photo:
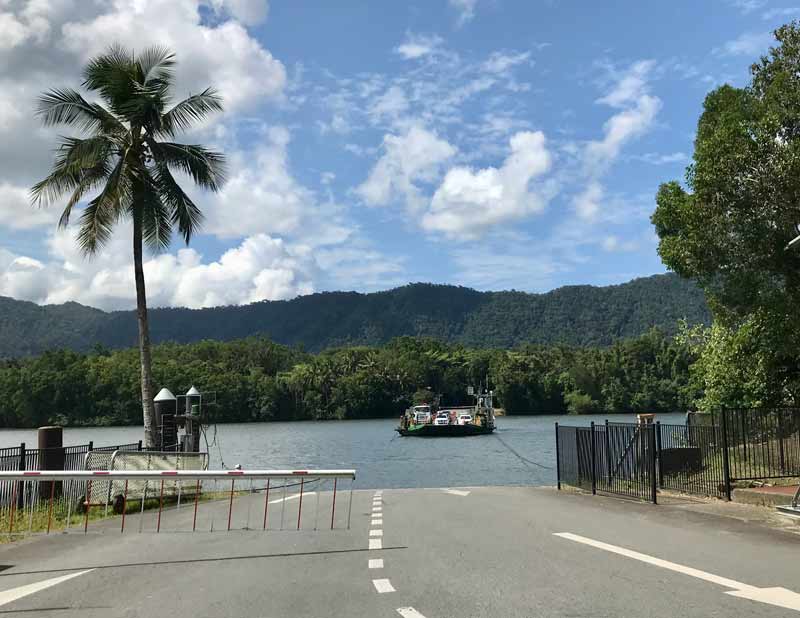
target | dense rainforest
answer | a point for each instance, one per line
(574, 316)
(256, 379)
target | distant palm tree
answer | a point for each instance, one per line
(121, 154)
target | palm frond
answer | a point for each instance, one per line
(189, 111)
(156, 219)
(67, 106)
(183, 212)
(74, 157)
(206, 167)
(114, 75)
(155, 65)
(90, 179)
(100, 215)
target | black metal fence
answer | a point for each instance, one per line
(617, 458)
(690, 459)
(763, 443)
(705, 457)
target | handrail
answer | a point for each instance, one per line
(60, 475)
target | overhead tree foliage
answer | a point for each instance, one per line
(729, 228)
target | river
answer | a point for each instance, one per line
(520, 452)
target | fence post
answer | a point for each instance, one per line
(781, 455)
(608, 454)
(593, 457)
(20, 484)
(140, 446)
(653, 488)
(558, 461)
(726, 465)
(658, 454)
(91, 445)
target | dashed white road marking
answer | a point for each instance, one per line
(376, 522)
(409, 612)
(7, 596)
(456, 492)
(383, 585)
(780, 597)
(376, 563)
(377, 532)
(292, 497)
(375, 544)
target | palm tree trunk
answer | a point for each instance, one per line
(148, 407)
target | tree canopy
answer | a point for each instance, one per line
(730, 226)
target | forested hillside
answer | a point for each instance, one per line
(574, 315)
(258, 380)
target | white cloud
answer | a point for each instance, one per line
(418, 45)
(629, 86)
(501, 62)
(747, 44)
(637, 113)
(747, 6)
(260, 268)
(249, 12)
(224, 56)
(466, 10)
(587, 204)
(261, 195)
(17, 213)
(613, 244)
(391, 105)
(786, 12)
(408, 159)
(655, 158)
(619, 129)
(470, 201)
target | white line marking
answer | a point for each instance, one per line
(376, 522)
(780, 597)
(376, 563)
(409, 612)
(7, 596)
(456, 492)
(292, 497)
(376, 532)
(375, 544)
(377, 509)
(383, 585)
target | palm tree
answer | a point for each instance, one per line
(123, 155)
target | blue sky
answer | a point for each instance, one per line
(489, 143)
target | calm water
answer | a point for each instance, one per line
(520, 452)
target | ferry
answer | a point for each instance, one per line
(431, 421)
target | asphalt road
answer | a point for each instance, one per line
(474, 552)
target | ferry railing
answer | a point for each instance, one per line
(174, 500)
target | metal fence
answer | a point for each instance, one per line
(23, 458)
(691, 459)
(762, 443)
(705, 457)
(616, 458)
(152, 501)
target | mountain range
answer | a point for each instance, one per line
(581, 315)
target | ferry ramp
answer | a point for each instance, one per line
(430, 553)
